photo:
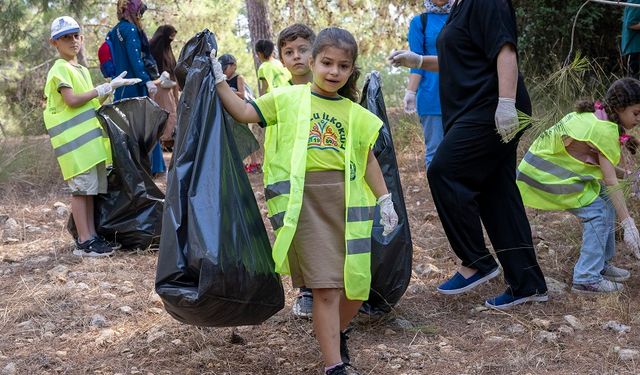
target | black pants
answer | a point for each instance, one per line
(472, 180)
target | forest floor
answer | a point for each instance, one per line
(61, 314)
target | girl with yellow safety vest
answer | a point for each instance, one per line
(321, 183)
(572, 166)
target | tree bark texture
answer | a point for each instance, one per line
(259, 24)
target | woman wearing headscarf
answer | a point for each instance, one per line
(473, 174)
(129, 42)
(130, 50)
(167, 95)
(422, 89)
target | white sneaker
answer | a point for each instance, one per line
(602, 286)
(614, 273)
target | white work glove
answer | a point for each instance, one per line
(506, 118)
(409, 101)
(151, 88)
(389, 217)
(218, 75)
(631, 236)
(120, 81)
(405, 58)
(103, 89)
(165, 81)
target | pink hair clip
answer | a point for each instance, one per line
(624, 138)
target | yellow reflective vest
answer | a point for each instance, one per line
(78, 140)
(551, 179)
(274, 73)
(284, 172)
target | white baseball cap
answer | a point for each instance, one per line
(62, 26)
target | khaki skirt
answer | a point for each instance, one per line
(316, 255)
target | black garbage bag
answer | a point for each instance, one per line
(131, 210)
(246, 142)
(391, 256)
(215, 266)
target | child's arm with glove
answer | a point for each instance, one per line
(375, 180)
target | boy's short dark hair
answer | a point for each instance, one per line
(265, 47)
(293, 32)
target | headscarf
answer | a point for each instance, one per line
(131, 10)
(160, 45)
(432, 8)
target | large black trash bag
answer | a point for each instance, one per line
(131, 210)
(215, 266)
(246, 142)
(391, 256)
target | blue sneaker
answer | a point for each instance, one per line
(506, 300)
(458, 284)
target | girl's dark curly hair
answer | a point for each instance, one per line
(621, 94)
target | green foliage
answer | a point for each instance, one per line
(545, 33)
(554, 95)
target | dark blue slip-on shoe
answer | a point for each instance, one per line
(507, 301)
(458, 284)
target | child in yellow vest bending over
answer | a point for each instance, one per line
(79, 142)
(321, 183)
(572, 166)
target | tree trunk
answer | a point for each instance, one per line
(259, 24)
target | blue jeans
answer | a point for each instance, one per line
(598, 239)
(433, 133)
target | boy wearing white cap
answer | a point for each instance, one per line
(79, 142)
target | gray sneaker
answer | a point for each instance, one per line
(303, 306)
(602, 286)
(613, 273)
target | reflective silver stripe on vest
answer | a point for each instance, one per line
(359, 246)
(278, 188)
(78, 119)
(360, 213)
(277, 220)
(78, 142)
(552, 168)
(551, 188)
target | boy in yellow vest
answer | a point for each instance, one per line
(271, 73)
(295, 43)
(78, 140)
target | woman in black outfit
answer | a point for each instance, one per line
(472, 175)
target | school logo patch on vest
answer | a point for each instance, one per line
(327, 133)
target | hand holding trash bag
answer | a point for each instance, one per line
(119, 81)
(389, 217)
(216, 67)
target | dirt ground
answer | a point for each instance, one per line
(60, 314)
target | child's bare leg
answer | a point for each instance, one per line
(348, 309)
(79, 212)
(326, 323)
(90, 216)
